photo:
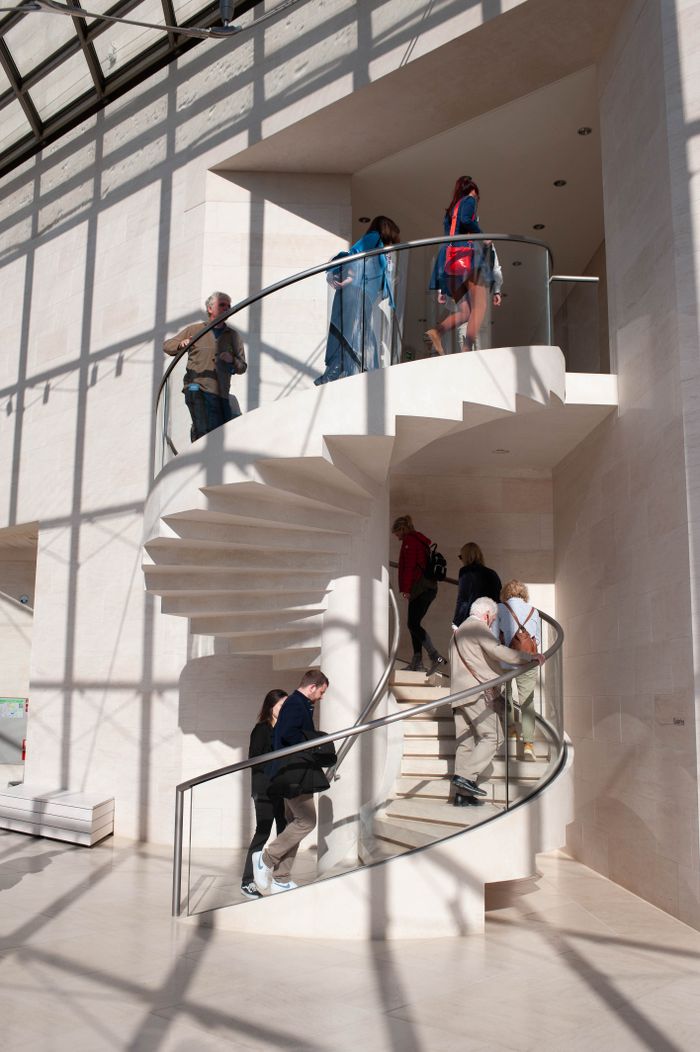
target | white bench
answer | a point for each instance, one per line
(80, 818)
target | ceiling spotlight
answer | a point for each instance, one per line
(517, 263)
(559, 182)
(363, 219)
(584, 130)
(538, 226)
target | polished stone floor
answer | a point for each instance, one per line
(91, 960)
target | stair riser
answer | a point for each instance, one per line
(179, 553)
(280, 511)
(177, 581)
(258, 537)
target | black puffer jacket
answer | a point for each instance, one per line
(475, 581)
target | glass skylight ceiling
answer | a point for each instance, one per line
(56, 70)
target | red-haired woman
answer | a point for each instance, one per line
(457, 278)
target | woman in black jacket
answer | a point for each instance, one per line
(266, 810)
(475, 581)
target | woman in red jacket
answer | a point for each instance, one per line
(419, 590)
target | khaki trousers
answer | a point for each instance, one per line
(476, 731)
(300, 812)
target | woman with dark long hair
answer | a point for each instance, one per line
(352, 343)
(267, 811)
(460, 270)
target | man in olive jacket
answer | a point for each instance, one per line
(476, 656)
(273, 866)
(210, 364)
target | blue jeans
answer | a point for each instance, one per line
(208, 411)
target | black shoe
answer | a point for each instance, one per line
(467, 786)
(437, 664)
(250, 891)
(467, 801)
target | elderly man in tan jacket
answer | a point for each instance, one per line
(476, 656)
(211, 361)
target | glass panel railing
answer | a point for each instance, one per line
(368, 312)
(394, 795)
(579, 323)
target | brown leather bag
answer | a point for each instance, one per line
(522, 640)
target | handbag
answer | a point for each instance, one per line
(323, 755)
(459, 259)
(522, 640)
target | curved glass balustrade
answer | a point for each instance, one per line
(366, 312)
(381, 805)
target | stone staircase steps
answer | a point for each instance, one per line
(309, 476)
(435, 766)
(186, 580)
(437, 813)
(276, 508)
(243, 535)
(250, 621)
(193, 604)
(426, 726)
(171, 551)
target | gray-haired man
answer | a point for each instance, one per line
(476, 656)
(210, 364)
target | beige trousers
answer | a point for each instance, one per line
(476, 731)
(301, 819)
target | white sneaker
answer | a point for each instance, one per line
(278, 886)
(262, 874)
(529, 752)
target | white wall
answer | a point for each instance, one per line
(624, 502)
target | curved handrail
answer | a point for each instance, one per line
(347, 732)
(322, 268)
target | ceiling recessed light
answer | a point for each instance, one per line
(363, 219)
(560, 182)
(500, 451)
(538, 226)
(584, 130)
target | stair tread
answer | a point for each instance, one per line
(437, 812)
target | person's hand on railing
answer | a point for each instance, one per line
(336, 283)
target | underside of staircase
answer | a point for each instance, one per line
(252, 555)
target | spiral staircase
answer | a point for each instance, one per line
(248, 534)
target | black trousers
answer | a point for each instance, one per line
(266, 812)
(417, 609)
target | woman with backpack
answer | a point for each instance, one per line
(520, 628)
(462, 270)
(420, 591)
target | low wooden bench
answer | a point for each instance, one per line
(59, 814)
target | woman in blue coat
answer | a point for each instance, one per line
(467, 285)
(352, 345)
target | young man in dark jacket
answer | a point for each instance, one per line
(273, 866)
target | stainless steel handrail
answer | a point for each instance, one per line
(290, 750)
(323, 268)
(379, 690)
(581, 279)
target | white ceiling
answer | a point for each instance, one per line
(514, 153)
(514, 443)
